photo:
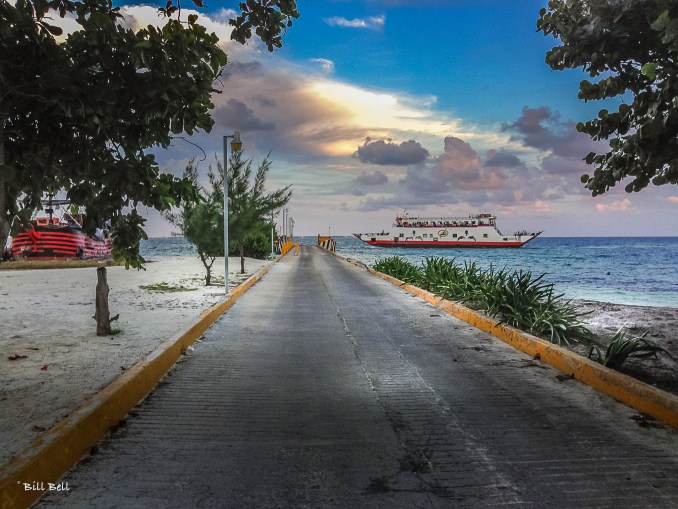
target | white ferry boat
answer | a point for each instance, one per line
(478, 230)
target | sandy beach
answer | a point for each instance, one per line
(46, 319)
(46, 316)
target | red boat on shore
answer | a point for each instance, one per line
(49, 238)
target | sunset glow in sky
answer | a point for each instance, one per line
(437, 107)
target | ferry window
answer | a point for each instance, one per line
(425, 235)
(505, 238)
(413, 232)
(402, 234)
(484, 235)
(454, 235)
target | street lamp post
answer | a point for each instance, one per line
(272, 241)
(236, 145)
(286, 214)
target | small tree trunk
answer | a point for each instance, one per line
(242, 258)
(208, 267)
(4, 223)
(102, 314)
(4, 206)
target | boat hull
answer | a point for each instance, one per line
(443, 244)
(58, 242)
(483, 238)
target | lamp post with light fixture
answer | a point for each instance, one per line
(236, 145)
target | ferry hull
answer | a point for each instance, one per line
(443, 244)
(59, 242)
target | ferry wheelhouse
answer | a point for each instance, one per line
(476, 230)
(51, 237)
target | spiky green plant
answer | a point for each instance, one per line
(623, 348)
(518, 299)
(436, 272)
(399, 268)
(463, 285)
(527, 303)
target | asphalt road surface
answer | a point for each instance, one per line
(324, 386)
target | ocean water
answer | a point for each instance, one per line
(623, 270)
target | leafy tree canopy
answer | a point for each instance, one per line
(202, 222)
(269, 18)
(249, 212)
(250, 206)
(632, 48)
(78, 114)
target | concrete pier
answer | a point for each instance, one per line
(324, 386)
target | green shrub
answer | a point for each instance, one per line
(518, 299)
(400, 269)
(436, 272)
(464, 285)
(525, 302)
(622, 348)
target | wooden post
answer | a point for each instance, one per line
(102, 315)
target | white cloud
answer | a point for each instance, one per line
(372, 23)
(614, 206)
(327, 66)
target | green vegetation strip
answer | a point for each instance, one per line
(518, 299)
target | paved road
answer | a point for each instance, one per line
(324, 386)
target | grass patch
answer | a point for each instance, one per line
(166, 288)
(54, 264)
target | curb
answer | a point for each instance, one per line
(625, 389)
(57, 450)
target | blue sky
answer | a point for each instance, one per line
(437, 107)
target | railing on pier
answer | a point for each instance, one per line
(327, 243)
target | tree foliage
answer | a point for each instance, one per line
(258, 242)
(631, 47)
(269, 18)
(249, 211)
(79, 114)
(250, 206)
(202, 222)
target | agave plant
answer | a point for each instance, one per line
(526, 303)
(622, 348)
(400, 269)
(436, 272)
(519, 299)
(463, 285)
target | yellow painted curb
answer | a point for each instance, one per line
(57, 450)
(625, 389)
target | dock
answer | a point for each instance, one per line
(326, 387)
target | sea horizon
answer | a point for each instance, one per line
(621, 270)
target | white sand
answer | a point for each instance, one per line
(47, 316)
